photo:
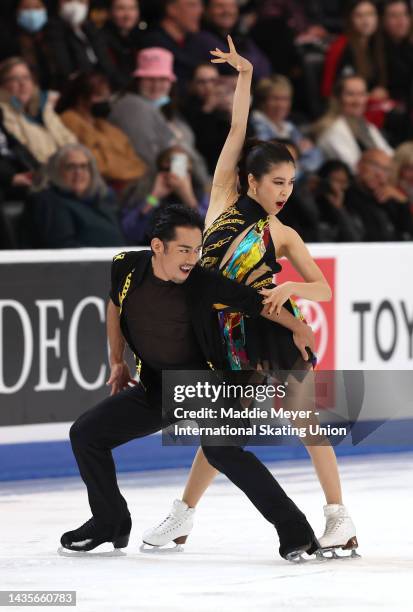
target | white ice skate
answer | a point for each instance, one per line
(175, 528)
(340, 533)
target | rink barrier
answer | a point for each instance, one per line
(53, 459)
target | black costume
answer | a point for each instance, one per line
(239, 244)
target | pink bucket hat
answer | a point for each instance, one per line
(155, 62)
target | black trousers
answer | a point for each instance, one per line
(133, 414)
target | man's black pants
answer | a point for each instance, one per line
(130, 414)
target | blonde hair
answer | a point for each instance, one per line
(8, 64)
(403, 156)
(32, 108)
(266, 86)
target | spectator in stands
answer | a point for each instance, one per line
(28, 112)
(123, 37)
(156, 83)
(207, 113)
(296, 16)
(340, 225)
(26, 38)
(17, 167)
(382, 208)
(273, 101)
(343, 132)
(324, 13)
(163, 189)
(221, 18)
(143, 123)
(397, 26)
(177, 32)
(75, 43)
(402, 172)
(86, 106)
(358, 51)
(272, 31)
(73, 207)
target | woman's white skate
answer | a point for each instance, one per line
(339, 534)
(174, 529)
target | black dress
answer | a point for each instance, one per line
(239, 244)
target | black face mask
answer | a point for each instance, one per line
(100, 110)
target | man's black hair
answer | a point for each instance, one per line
(167, 219)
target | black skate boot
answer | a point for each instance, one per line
(297, 538)
(90, 535)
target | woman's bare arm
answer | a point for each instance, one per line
(224, 185)
(315, 286)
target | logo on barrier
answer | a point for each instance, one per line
(319, 315)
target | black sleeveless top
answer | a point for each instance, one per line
(239, 244)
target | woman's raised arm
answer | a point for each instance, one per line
(224, 185)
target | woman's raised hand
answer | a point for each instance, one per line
(232, 58)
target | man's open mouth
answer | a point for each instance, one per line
(185, 269)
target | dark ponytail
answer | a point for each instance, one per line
(257, 157)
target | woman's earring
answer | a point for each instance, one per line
(255, 191)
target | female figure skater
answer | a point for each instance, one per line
(242, 239)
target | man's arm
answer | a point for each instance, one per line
(120, 375)
(245, 299)
(116, 340)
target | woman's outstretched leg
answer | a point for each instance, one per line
(339, 531)
(199, 479)
(325, 464)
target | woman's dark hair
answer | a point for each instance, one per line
(386, 3)
(168, 218)
(332, 166)
(340, 84)
(81, 87)
(257, 157)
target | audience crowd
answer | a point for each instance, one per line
(110, 109)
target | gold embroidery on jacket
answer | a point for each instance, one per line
(119, 256)
(217, 245)
(125, 290)
(209, 262)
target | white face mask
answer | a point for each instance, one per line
(74, 12)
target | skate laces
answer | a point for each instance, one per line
(169, 523)
(333, 524)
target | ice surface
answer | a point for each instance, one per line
(231, 560)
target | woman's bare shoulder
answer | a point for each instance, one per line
(281, 235)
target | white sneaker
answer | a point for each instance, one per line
(340, 531)
(175, 528)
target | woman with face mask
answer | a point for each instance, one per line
(75, 43)
(26, 38)
(156, 82)
(86, 106)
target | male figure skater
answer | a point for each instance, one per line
(162, 306)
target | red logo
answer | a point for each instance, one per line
(319, 315)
